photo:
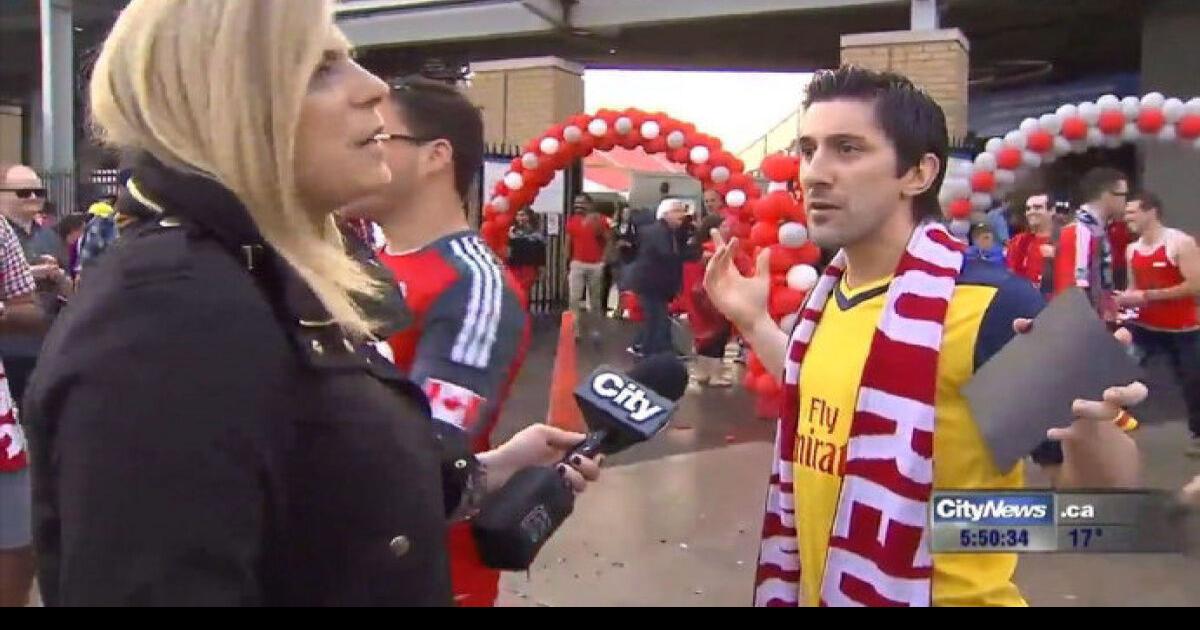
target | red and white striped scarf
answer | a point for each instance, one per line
(879, 547)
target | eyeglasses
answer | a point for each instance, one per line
(387, 137)
(27, 193)
(1119, 193)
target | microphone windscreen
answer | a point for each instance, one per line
(663, 373)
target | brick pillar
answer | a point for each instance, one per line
(520, 98)
(938, 61)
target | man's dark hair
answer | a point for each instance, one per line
(585, 196)
(1149, 201)
(434, 110)
(1098, 181)
(70, 223)
(915, 124)
(978, 229)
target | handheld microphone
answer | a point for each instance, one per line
(620, 411)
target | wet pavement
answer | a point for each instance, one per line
(674, 522)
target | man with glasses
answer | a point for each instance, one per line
(1085, 255)
(470, 329)
(18, 313)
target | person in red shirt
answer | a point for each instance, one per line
(1119, 237)
(470, 330)
(1084, 254)
(1164, 282)
(1028, 252)
(588, 231)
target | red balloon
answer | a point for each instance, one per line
(721, 158)
(983, 181)
(739, 180)
(1112, 122)
(700, 171)
(785, 301)
(765, 385)
(780, 167)
(750, 381)
(796, 213)
(738, 165)
(540, 176)
(680, 155)
(504, 221)
(1009, 158)
(753, 191)
(1040, 141)
(489, 212)
(742, 230)
(1188, 127)
(960, 208)
(807, 254)
(488, 230)
(657, 145)
(783, 259)
(773, 207)
(607, 141)
(1074, 128)
(1151, 120)
(764, 234)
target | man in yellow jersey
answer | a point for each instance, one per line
(875, 417)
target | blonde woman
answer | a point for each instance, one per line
(209, 427)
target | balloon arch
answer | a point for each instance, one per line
(1107, 122)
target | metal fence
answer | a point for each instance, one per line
(61, 191)
(549, 293)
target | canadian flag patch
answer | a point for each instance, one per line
(452, 403)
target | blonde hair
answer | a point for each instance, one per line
(214, 87)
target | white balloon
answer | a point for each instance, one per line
(1131, 106)
(1051, 123)
(1168, 134)
(650, 130)
(699, 154)
(1028, 125)
(776, 186)
(623, 125)
(572, 134)
(960, 168)
(981, 202)
(1090, 112)
(1006, 178)
(985, 162)
(1192, 107)
(549, 146)
(1031, 159)
(793, 234)
(1067, 111)
(1062, 146)
(945, 197)
(956, 186)
(1108, 101)
(1131, 133)
(529, 160)
(1095, 137)
(675, 139)
(961, 228)
(1016, 139)
(719, 175)
(1153, 99)
(598, 127)
(735, 198)
(994, 145)
(802, 278)
(514, 181)
(500, 204)
(788, 322)
(1173, 109)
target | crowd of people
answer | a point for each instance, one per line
(270, 372)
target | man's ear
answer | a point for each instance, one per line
(439, 154)
(920, 177)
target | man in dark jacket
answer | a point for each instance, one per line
(657, 274)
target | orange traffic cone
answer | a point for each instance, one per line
(564, 412)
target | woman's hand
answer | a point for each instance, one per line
(540, 445)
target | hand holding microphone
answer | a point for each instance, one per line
(620, 411)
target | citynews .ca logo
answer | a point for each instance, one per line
(1023, 509)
